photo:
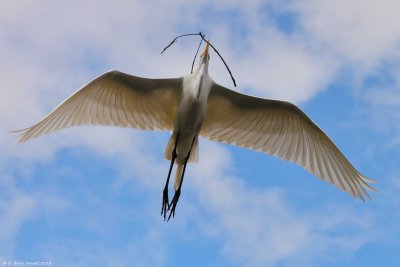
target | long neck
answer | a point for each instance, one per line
(202, 68)
(196, 86)
(203, 83)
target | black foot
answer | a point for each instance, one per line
(165, 204)
(173, 204)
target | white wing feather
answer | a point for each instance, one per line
(115, 99)
(280, 128)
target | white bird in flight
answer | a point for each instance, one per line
(194, 105)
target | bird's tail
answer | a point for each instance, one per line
(170, 147)
(178, 176)
(194, 153)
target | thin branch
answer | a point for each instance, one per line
(176, 38)
(194, 59)
(203, 39)
(216, 51)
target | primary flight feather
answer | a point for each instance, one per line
(194, 105)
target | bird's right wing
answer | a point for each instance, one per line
(115, 99)
(279, 128)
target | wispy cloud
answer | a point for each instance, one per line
(261, 227)
(15, 208)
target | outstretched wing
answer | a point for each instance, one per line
(115, 99)
(280, 128)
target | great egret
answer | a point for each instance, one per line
(194, 105)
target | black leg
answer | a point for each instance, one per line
(177, 194)
(165, 201)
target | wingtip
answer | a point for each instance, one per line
(19, 138)
(368, 180)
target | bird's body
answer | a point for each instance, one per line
(192, 109)
(193, 106)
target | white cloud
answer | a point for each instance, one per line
(382, 99)
(358, 31)
(15, 208)
(280, 67)
(260, 227)
(65, 253)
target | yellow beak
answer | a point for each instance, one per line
(205, 53)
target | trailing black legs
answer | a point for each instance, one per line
(165, 202)
(177, 194)
(171, 206)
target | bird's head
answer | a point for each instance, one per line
(205, 56)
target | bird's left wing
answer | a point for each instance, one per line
(279, 128)
(115, 99)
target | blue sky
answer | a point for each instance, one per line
(91, 196)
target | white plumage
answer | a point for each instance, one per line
(195, 105)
